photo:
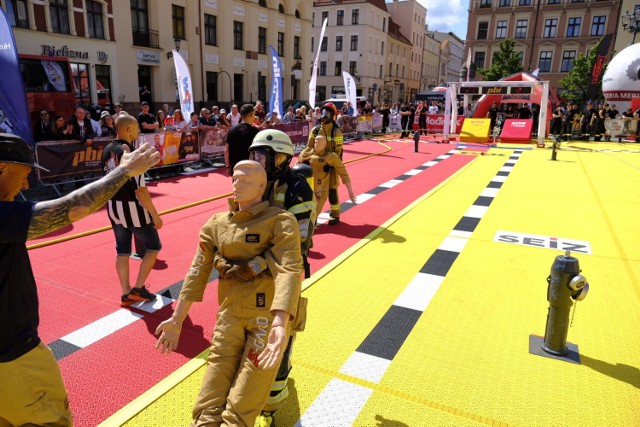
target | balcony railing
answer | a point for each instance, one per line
(147, 38)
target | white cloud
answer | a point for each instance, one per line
(447, 15)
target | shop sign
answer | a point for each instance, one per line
(64, 51)
(147, 57)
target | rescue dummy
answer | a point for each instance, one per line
(324, 163)
(258, 306)
(289, 190)
(333, 134)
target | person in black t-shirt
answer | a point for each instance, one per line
(240, 137)
(131, 213)
(29, 372)
(146, 121)
(492, 114)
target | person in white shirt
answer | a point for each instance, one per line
(235, 117)
(289, 116)
(97, 129)
(179, 123)
(433, 108)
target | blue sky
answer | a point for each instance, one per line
(447, 15)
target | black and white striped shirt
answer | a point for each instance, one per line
(124, 207)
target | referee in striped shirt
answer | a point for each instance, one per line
(131, 213)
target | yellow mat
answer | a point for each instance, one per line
(466, 361)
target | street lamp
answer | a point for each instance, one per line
(177, 40)
(631, 23)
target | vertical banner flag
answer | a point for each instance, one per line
(275, 103)
(314, 71)
(598, 68)
(350, 90)
(14, 113)
(468, 64)
(185, 85)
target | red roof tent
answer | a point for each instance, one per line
(485, 102)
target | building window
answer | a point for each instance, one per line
(17, 13)
(597, 26)
(140, 23)
(211, 30)
(384, 25)
(340, 17)
(382, 48)
(390, 69)
(262, 40)
(501, 30)
(553, 1)
(353, 68)
(521, 28)
(103, 79)
(381, 71)
(573, 27)
(177, 20)
(296, 47)
(262, 86)
(238, 86)
(478, 59)
(280, 44)
(238, 29)
(483, 28)
(325, 15)
(354, 43)
(355, 16)
(323, 45)
(545, 61)
(323, 68)
(485, 3)
(525, 3)
(95, 20)
(82, 86)
(338, 70)
(504, 3)
(212, 86)
(520, 58)
(59, 12)
(338, 43)
(550, 28)
(567, 60)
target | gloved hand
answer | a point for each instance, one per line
(222, 266)
(246, 272)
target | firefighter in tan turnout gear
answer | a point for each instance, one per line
(258, 306)
(324, 163)
(331, 131)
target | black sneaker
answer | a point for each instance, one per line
(334, 221)
(141, 294)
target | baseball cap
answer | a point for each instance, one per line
(144, 103)
(104, 114)
(14, 149)
(223, 111)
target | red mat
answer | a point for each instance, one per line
(78, 283)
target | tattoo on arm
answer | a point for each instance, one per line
(54, 214)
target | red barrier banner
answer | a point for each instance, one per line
(517, 130)
(297, 131)
(69, 160)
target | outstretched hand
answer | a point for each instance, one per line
(139, 161)
(169, 332)
(270, 356)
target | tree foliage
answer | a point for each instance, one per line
(506, 61)
(577, 80)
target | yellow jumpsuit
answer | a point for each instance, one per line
(234, 389)
(335, 140)
(324, 165)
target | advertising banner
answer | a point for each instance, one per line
(365, 124)
(436, 123)
(475, 130)
(297, 131)
(212, 142)
(517, 130)
(185, 86)
(314, 70)
(275, 103)
(14, 114)
(69, 160)
(350, 90)
(377, 121)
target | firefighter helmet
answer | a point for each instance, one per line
(274, 139)
(331, 107)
